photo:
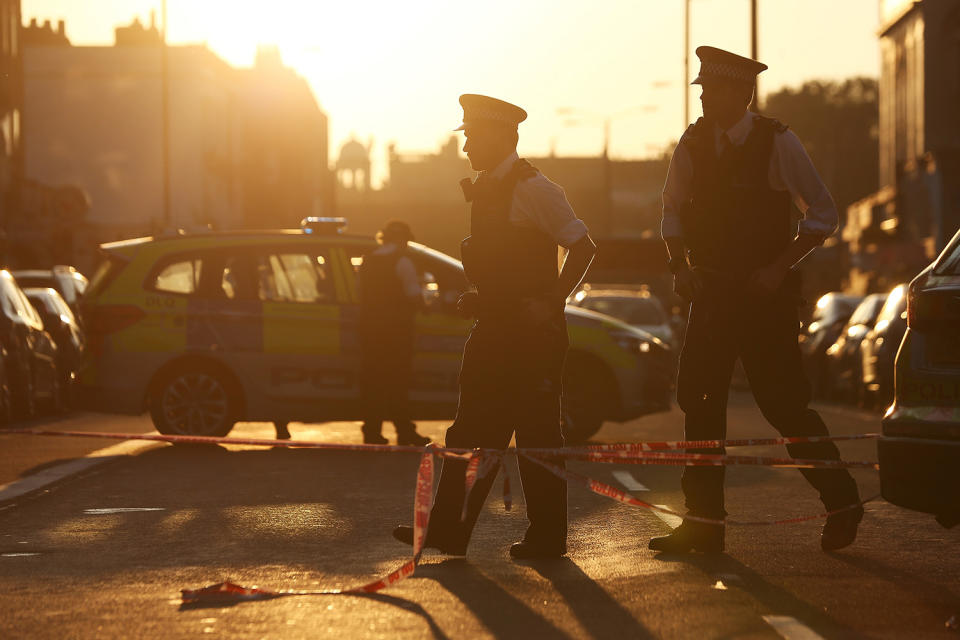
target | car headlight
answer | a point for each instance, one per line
(634, 344)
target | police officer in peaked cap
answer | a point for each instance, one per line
(513, 359)
(734, 254)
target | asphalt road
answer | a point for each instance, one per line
(103, 553)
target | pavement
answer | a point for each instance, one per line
(104, 553)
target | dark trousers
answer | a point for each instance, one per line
(509, 381)
(386, 369)
(762, 331)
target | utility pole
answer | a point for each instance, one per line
(755, 103)
(165, 118)
(685, 85)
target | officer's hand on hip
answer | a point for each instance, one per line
(687, 283)
(468, 304)
(767, 280)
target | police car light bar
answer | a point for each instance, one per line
(323, 226)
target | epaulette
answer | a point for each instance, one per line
(523, 170)
(694, 132)
(773, 123)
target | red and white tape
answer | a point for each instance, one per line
(603, 489)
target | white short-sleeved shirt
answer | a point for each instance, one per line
(538, 202)
(790, 170)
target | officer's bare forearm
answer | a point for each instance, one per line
(797, 250)
(579, 256)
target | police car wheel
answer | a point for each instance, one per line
(193, 402)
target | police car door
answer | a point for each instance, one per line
(303, 372)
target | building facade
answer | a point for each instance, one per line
(893, 233)
(245, 147)
(11, 110)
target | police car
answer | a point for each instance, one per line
(919, 453)
(205, 330)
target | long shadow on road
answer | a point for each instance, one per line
(776, 599)
(502, 614)
(600, 614)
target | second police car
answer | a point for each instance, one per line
(210, 329)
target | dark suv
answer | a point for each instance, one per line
(920, 450)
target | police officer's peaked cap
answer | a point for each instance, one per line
(717, 64)
(477, 109)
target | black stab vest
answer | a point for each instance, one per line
(735, 222)
(507, 263)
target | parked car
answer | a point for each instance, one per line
(879, 348)
(59, 321)
(31, 353)
(68, 282)
(6, 408)
(844, 364)
(829, 317)
(919, 452)
(635, 306)
(209, 329)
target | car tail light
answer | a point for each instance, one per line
(111, 318)
(912, 311)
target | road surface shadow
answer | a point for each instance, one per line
(502, 614)
(394, 601)
(932, 593)
(777, 600)
(600, 614)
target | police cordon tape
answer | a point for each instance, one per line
(481, 462)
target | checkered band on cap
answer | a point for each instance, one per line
(722, 70)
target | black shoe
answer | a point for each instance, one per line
(691, 536)
(282, 432)
(374, 438)
(840, 529)
(404, 533)
(412, 439)
(529, 550)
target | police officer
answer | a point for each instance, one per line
(733, 252)
(513, 359)
(390, 296)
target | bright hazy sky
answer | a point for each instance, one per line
(393, 69)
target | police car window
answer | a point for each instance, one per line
(277, 277)
(179, 277)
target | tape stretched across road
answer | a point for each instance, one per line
(656, 453)
(603, 489)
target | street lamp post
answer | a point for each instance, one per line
(165, 118)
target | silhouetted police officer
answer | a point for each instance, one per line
(513, 359)
(390, 296)
(727, 226)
